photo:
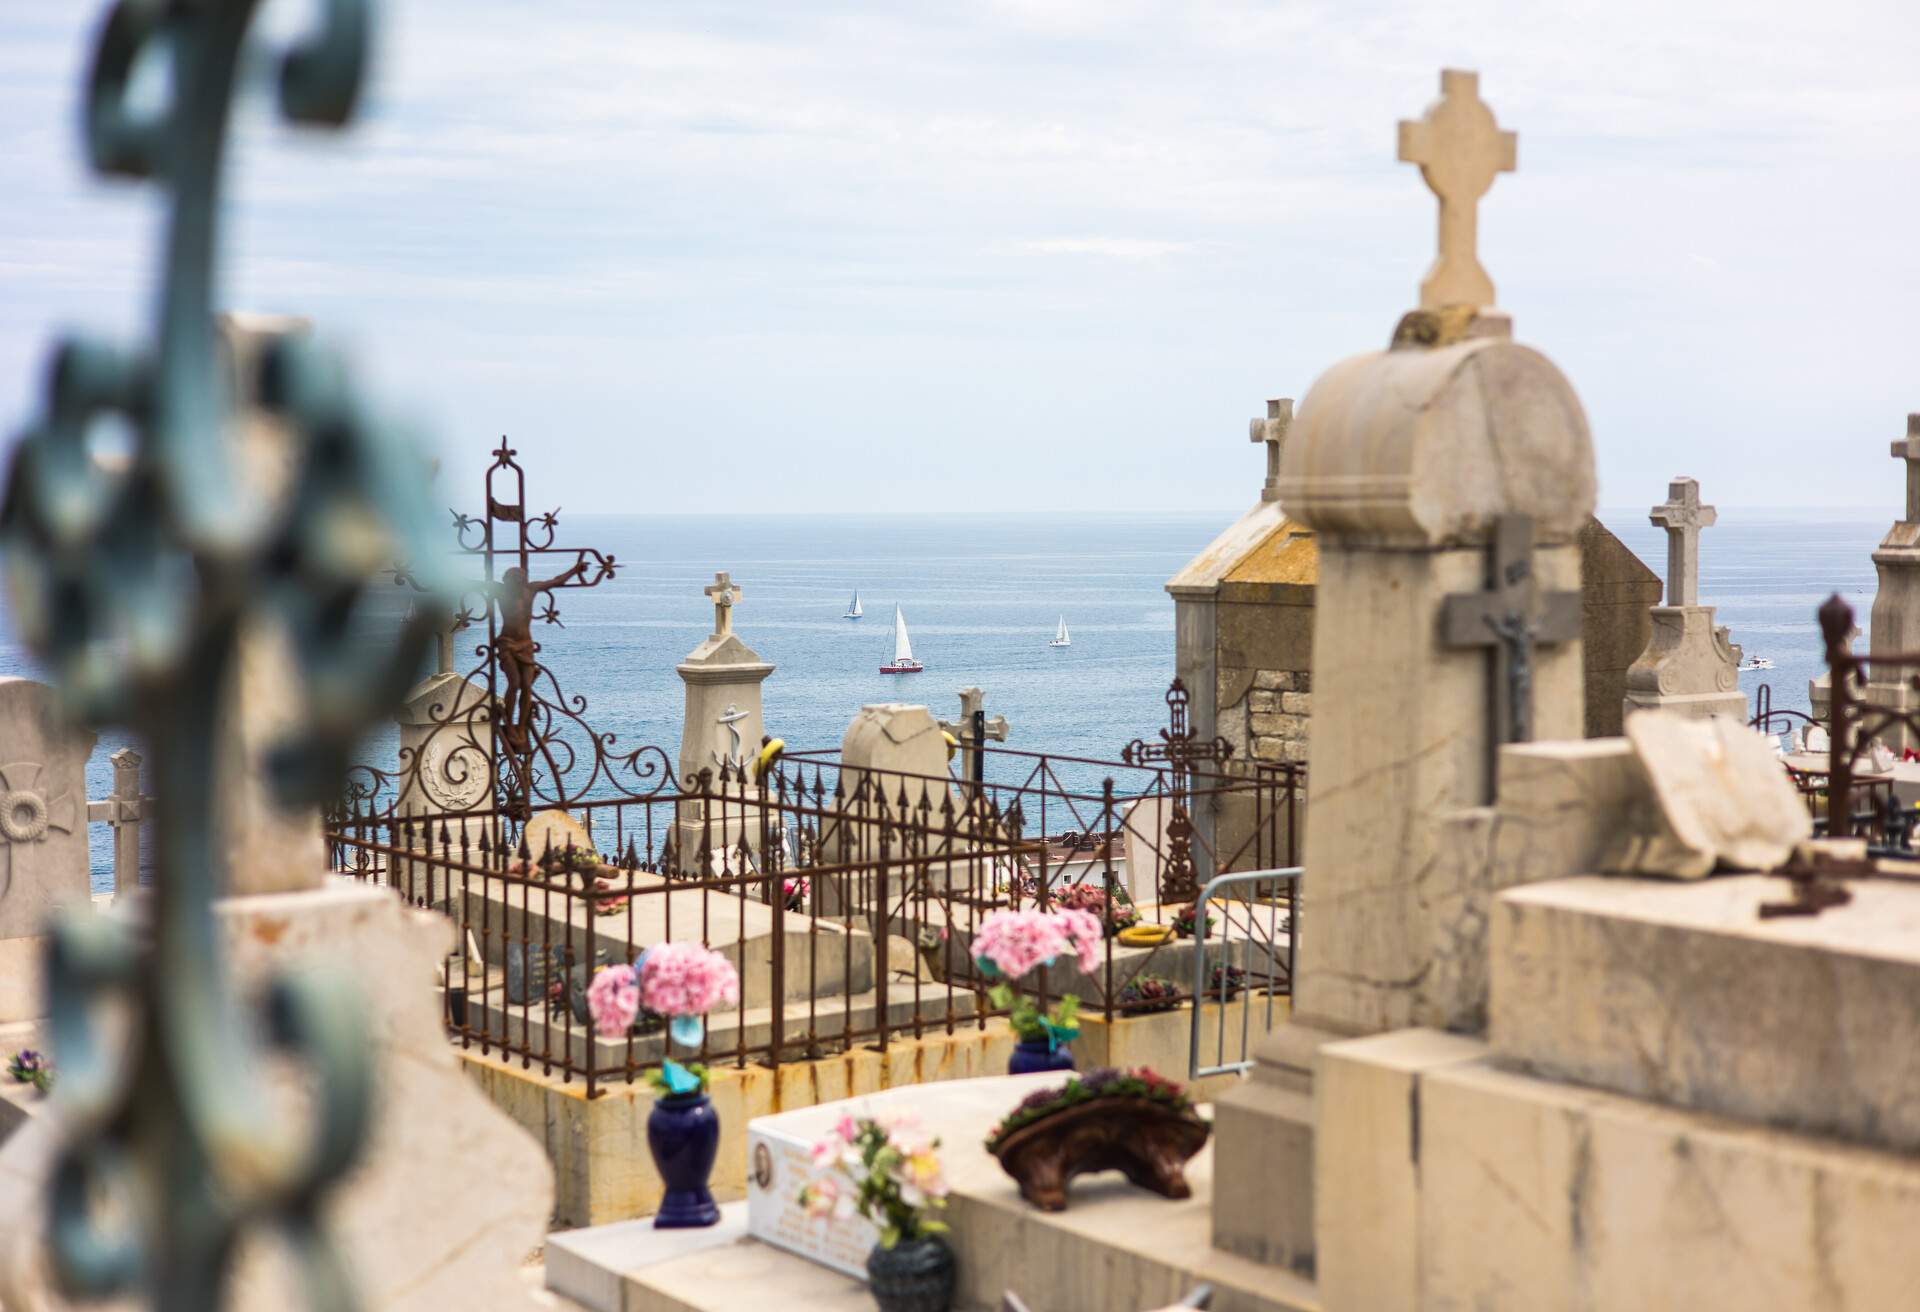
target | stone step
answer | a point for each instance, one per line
(1115, 1248)
(828, 1017)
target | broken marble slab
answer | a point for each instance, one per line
(1716, 799)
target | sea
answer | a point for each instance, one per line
(982, 595)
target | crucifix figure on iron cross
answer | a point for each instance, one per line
(1181, 751)
(518, 653)
(1460, 150)
(1510, 618)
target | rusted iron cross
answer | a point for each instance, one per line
(1181, 751)
(1511, 618)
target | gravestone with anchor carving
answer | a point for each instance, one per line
(720, 736)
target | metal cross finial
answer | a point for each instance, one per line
(1511, 618)
(1682, 516)
(1181, 750)
(724, 595)
(1273, 431)
(134, 587)
(1460, 150)
(1908, 449)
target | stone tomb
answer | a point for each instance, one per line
(43, 834)
(1447, 477)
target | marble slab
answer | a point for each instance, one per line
(1682, 994)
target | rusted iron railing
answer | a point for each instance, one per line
(847, 898)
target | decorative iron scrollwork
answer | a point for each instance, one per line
(133, 585)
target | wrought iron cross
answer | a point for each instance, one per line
(1460, 150)
(1181, 751)
(1510, 618)
(133, 584)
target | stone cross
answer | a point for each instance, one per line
(1459, 149)
(1511, 617)
(1908, 449)
(1682, 516)
(1273, 431)
(974, 729)
(724, 595)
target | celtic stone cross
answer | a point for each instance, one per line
(1273, 431)
(1682, 516)
(1460, 150)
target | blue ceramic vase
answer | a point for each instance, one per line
(683, 1133)
(1033, 1055)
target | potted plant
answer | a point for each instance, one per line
(889, 1172)
(1115, 910)
(1134, 1121)
(1145, 994)
(1183, 921)
(682, 982)
(31, 1067)
(1006, 946)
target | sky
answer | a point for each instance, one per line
(1031, 255)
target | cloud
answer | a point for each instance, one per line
(1112, 248)
(838, 255)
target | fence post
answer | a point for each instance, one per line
(126, 820)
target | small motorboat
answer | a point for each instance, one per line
(1756, 663)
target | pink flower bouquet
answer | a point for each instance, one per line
(888, 1171)
(1008, 944)
(681, 981)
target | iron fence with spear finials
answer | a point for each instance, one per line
(133, 586)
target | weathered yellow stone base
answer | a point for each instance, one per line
(603, 1171)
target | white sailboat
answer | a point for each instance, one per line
(1061, 639)
(853, 608)
(903, 661)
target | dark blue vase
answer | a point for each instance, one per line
(1033, 1055)
(684, 1134)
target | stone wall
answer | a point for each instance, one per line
(1264, 714)
(1616, 590)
